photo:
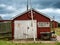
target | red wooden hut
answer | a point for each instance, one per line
(21, 25)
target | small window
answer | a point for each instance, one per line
(43, 24)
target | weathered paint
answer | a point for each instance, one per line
(23, 29)
(37, 16)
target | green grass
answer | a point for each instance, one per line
(3, 42)
(57, 30)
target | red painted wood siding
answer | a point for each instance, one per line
(54, 24)
(37, 16)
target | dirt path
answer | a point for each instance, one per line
(33, 41)
(27, 41)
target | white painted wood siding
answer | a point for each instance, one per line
(23, 29)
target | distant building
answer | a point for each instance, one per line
(54, 24)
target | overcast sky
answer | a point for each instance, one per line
(10, 8)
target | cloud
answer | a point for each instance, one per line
(42, 3)
(51, 12)
(2, 5)
(56, 5)
(46, 3)
(11, 15)
(11, 8)
(6, 9)
(6, 16)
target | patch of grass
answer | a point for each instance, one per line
(58, 43)
(3, 42)
(57, 30)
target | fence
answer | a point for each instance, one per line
(5, 30)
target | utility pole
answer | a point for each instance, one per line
(32, 20)
(53, 24)
(27, 5)
(27, 14)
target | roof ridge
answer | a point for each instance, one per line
(29, 10)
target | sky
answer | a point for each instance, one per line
(11, 8)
